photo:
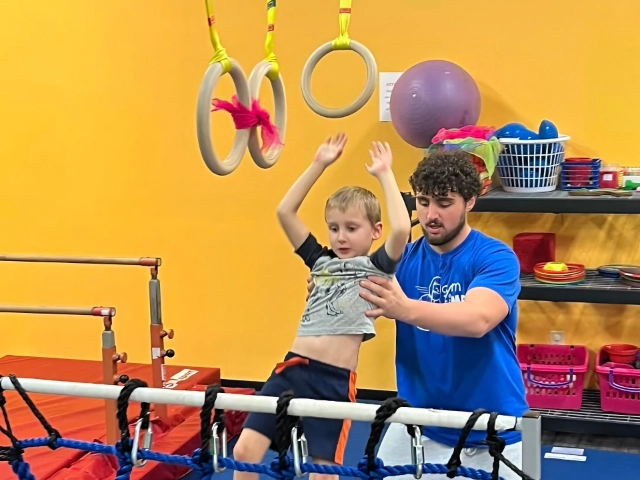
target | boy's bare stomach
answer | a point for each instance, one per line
(338, 350)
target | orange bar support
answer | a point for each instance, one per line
(110, 359)
(157, 333)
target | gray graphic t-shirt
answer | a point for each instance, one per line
(335, 306)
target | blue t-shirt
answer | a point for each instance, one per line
(458, 373)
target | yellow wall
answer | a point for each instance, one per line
(100, 158)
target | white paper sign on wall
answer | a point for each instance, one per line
(387, 81)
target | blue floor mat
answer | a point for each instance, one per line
(599, 465)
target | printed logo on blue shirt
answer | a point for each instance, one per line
(436, 293)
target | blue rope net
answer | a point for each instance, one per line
(211, 458)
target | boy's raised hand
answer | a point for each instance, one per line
(381, 158)
(330, 150)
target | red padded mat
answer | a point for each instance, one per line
(83, 418)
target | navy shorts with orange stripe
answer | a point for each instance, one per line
(308, 378)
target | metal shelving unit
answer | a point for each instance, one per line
(595, 289)
(558, 201)
(590, 419)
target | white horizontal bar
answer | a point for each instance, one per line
(300, 407)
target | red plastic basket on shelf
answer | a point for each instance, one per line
(553, 375)
(619, 386)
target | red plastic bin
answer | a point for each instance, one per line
(619, 386)
(553, 375)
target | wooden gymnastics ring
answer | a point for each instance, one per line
(203, 118)
(268, 68)
(343, 42)
(220, 64)
(372, 71)
(269, 158)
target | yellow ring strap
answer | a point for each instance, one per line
(343, 41)
(219, 52)
(268, 46)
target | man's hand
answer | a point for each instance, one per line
(381, 158)
(330, 150)
(310, 286)
(387, 295)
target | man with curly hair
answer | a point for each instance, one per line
(454, 299)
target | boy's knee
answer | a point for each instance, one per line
(251, 447)
(322, 476)
(243, 452)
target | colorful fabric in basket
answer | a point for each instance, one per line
(487, 150)
(469, 131)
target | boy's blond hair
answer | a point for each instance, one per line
(356, 196)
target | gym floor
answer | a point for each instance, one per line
(605, 456)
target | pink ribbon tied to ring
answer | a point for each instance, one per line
(244, 118)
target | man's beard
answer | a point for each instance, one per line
(445, 237)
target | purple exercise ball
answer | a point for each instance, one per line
(432, 95)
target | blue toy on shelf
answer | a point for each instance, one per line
(547, 130)
(530, 161)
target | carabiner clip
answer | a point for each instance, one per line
(300, 451)
(146, 443)
(218, 445)
(417, 451)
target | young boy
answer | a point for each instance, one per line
(324, 355)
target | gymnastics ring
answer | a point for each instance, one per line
(203, 118)
(270, 157)
(307, 71)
